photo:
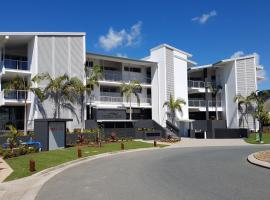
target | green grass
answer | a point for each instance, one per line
(252, 138)
(49, 159)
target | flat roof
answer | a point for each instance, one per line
(117, 58)
(221, 62)
(43, 33)
(171, 47)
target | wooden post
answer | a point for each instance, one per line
(122, 146)
(155, 143)
(79, 152)
(32, 165)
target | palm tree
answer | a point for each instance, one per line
(258, 98)
(93, 76)
(215, 89)
(174, 106)
(80, 88)
(130, 89)
(23, 86)
(244, 103)
(61, 91)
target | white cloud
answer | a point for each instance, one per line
(237, 54)
(204, 17)
(123, 55)
(114, 39)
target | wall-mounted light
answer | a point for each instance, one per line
(6, 37)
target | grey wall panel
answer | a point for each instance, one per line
(169, 73)
(45, 55)
(246, 83)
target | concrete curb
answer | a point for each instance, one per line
(251, 158)
(27, 188)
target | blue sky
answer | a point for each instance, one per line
(210, 30)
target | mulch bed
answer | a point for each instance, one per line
(263, 156)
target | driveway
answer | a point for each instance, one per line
(172, 173)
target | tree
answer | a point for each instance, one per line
(61, 91)
(258, 98)
(21, 85)
(174, 106)
(130, 89)
(80, 88)
(215, 89)
(244, 104)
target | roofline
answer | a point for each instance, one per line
(171, 47)
(121, 58)
(237, 58)
(221, 62)
(42, 33)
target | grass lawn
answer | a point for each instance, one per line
(49, 159)
(252, 139)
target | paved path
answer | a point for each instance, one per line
(193, 142)
(174, 173)
(5, 170)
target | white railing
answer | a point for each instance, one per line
(14, 64)
(202, 103)
(119, 76)
(113, 99)
(14, 94)
(199, 84)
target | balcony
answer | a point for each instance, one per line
(120, 100)
(14, 64)
(200, 105)
(119, 76)
(199, 86)
(13, 97)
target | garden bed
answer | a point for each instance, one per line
(263, 156)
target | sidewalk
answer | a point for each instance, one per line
(5, 170)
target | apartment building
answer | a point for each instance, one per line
(166, 71)
(27, 54)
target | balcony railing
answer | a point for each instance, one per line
(15, 94)
(118, 76)
(14, 64)
(199, 84)
(202, 103)
(113, 99)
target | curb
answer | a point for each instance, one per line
(251, 159)
(27, 188)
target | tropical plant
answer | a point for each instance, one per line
(61, 90)
(215, 89)
(244, 105)
(130, 89)
(13, 139)
(22, 87)
(174, 105)
(258, 99)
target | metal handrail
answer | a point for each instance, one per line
(113, 99)
(110, 75)
(199, 84)
(14, 64)
(15, 94)
(202, 103)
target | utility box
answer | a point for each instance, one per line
(51, 133)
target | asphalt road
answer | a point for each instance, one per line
(217, 173)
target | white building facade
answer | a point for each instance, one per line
(166, 71)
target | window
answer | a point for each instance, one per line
(89, 63)
(133, 69)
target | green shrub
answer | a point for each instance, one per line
(18, 151)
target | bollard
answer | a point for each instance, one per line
(155, 143)
(79, 152)
(122, 146)
(32, 165)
